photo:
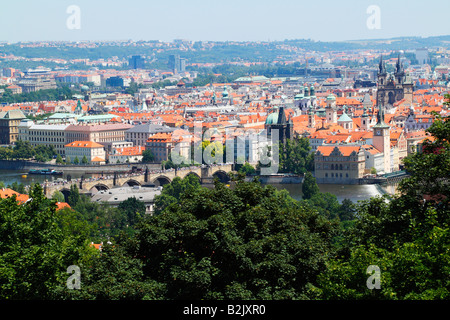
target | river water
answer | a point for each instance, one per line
(352, 192)
(21, 176)
(342, 191)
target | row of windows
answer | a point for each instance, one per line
(336, 166)
(340, 159)
(137, 135)
(44, 133)
(336, 175)
(62, 140)
(76, 135)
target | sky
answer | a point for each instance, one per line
(229, 20)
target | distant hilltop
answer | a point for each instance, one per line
(396, 43)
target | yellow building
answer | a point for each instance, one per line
(339, 164)
(9, 125)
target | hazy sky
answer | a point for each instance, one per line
(240, 20)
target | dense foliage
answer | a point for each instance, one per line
(23, 150)
(406, 236)
(37, 244)
(58, 94)
(295, 156)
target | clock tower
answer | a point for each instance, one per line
(382, 139)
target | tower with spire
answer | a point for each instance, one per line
(79, 108)
(277, 120)
(331, 109)
(382, 139)
(365, 120)
(393, 87)
(311, 118)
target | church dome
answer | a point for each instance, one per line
(225, 93)
(344, 118)
(272, 118)
(331, 97)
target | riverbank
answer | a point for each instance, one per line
(277, 179)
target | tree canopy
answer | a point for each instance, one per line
(295, 156)
(37, 244)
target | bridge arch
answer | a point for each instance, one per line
(131, 183)
(98, 187)
(161, 180)
(193, 174)
(221, 175)
(66, 193)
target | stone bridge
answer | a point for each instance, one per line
(206, 174)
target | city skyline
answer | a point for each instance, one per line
(199, 20)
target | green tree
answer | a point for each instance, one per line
(6, 153)
(114, 275)
(347, 211)
(133, 209)
(250, 242)
(23, 150)
(68, 160)
(148, 156)
(406, 235)
(58, 196)
(324, 203)
(84, 160)
(18, 187)
(108, 221)
(295, 156)
(59, 159)
(76, 160)
(36, 247)
(44, 153)
(172, 192)
(247, 169)
(74, 195)
(309, 186)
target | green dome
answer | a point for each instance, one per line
(344, 118)
(225, 93)
(272, 118)
(331, 97)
